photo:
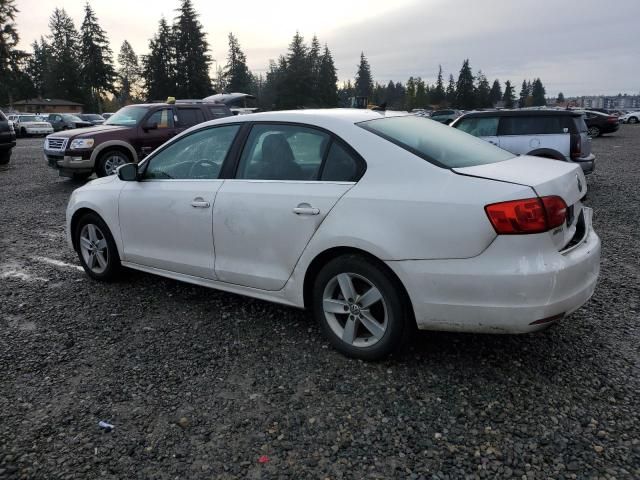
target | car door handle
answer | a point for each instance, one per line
(200, 203)
(306, 209)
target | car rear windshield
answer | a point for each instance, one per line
(438, 144)
(127, 116)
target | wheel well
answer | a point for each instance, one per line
(116, 148)
(323, 258)
(547, 154)
(78, 214)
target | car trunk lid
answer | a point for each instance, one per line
(546, 177)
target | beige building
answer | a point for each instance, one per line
(47, 105)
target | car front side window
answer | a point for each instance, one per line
(198, 156)
(161, 118)
(283, 152)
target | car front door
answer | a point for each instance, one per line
(165, 218)
(155, 129)
(287, 180)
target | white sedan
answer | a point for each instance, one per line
(376, 222)
(631, 117)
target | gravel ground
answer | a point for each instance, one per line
(204, 384)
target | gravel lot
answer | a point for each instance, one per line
(202, 384)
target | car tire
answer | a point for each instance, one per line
(5, 157)
(594, 132)
(632, 120)
(96, 248)
(109, 161)
(359, 307)
(23, 133)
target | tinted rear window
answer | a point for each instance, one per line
(218, 112)
(439, 144)
(532, 125)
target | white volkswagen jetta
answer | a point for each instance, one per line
(376, 222)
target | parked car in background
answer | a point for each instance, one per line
(7, 139)
(445, 116)
(66, 121)
(600, 123)
(317, 209)
(631, 117)
(128, 136)
(30, 124)
(556, 134)
(107, 115)
(92, 118)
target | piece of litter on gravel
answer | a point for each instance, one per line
(105, 425)
(263, 459)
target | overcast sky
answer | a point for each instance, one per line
(579, 47)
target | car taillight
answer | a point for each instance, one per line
(530, 215)
(612, 119)
(576, 146)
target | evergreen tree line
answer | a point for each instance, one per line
(78, 65)
(467, 92)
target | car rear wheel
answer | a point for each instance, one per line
(5, 157)
(594, 132)
(359, 308)
(632, 120)
(110, 161)
(96, 248)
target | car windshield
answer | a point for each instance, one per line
(92, 116)
(28, 118)
(127, 116)
(438, 144)
(71, 118)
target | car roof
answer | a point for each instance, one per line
(314, 117)
(523, 113)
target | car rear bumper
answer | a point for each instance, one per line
(518, 285)
(588, 164)
(67, 165)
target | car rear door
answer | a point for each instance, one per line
(287, 180)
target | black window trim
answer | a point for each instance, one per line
(362, 164)
(145, 162)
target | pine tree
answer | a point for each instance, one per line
(524, 94)
(65, 66)
(465, 97)
(560, 98)
(421, 94)
(159, 65)
(296, 88)
(327, 81)
(364, 81)
(97, 72)
(128, 73)
(191, 53)
(314, 66)
(237, 76)
(483, 91)
(509, 96)
(538, 93)
(38, 67)
(11, 58)
(496, 92)
(450, 94)
(410, 95)
(438, 94)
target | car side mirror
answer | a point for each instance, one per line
(128, 172)
(151, 126)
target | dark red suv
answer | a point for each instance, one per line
(128, 136)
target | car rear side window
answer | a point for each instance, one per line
(479, 126)
(218, 112)
(340, 165)
(538, 125)
(188, 117)
(438, 144)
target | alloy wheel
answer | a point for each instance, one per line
(633, 120)
(594, 132)
(355, 310)
(112, 162)
(94, 249)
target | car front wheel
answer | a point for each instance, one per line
(5, 157)
(632, 120)
(96, 248)
(359, 308)
(110, 161)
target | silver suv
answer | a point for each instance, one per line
(557, 134)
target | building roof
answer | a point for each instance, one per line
(46, 101)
